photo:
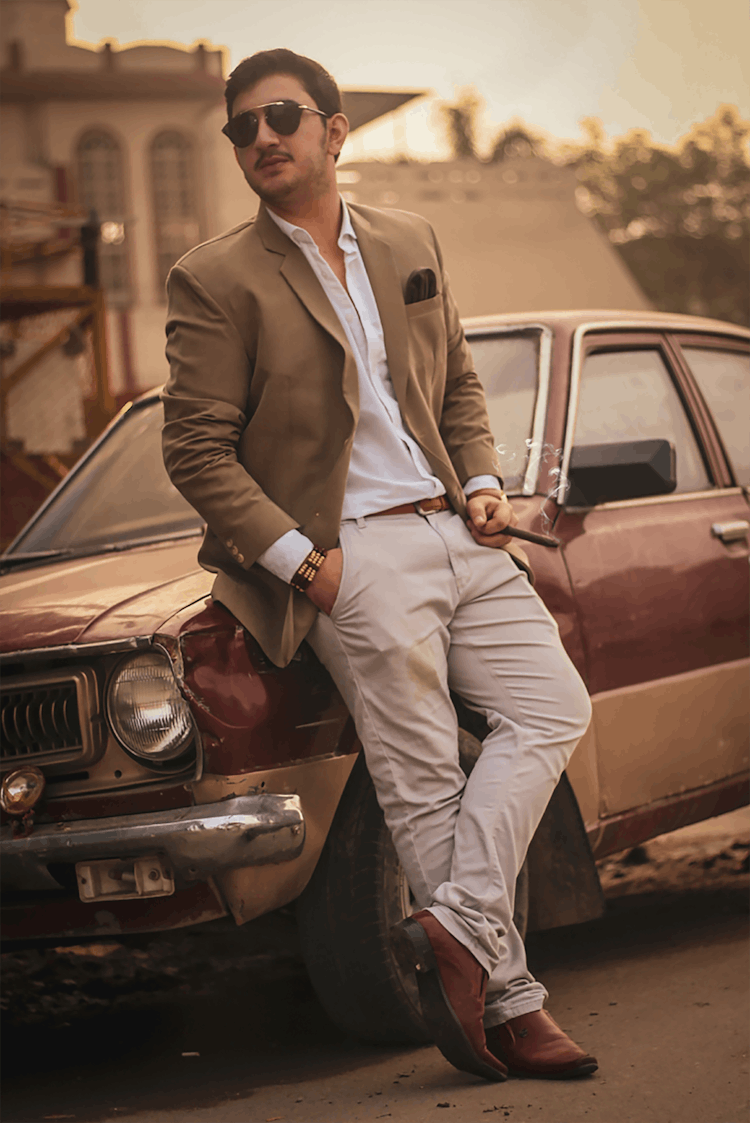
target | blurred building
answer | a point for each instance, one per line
(134, 134)
(512, 236)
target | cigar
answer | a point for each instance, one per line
(530, 536)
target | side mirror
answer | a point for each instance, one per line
(629, 470)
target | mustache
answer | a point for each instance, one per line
(264, 156)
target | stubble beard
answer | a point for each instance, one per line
(317, 182)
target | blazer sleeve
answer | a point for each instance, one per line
(205, 403)
(464, 424)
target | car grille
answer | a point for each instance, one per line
(49, 720)
(40, 721)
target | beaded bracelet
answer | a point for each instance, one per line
(305, 575)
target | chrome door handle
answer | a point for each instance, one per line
(731, 532)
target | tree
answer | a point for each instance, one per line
(515, 142)
(461, 118)
(461, 121)
(679, 217)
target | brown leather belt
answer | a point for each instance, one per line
(421, 507)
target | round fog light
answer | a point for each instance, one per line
(21, 790)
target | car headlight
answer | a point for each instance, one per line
(146, 711)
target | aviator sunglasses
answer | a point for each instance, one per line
(281, 116)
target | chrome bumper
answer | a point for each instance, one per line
(249, 830)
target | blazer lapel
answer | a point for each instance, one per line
(299, 276)
(386, 286)
(389, 297)
(302, 280)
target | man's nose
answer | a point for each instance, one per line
(266, 136)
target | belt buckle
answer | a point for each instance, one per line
(433, 511)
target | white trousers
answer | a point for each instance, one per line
(423, 608)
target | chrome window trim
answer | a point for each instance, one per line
(651, 500)
(575, 384)
(544, 370)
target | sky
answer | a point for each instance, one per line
(655, 64)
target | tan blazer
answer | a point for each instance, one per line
(262, 400)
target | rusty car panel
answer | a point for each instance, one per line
(651, 602)
(251, 715)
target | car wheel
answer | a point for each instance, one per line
(356, 894)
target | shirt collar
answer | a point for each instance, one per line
(300, 237)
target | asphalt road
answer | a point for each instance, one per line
(219, 1025)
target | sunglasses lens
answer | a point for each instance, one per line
(242, 129)
(284, 119)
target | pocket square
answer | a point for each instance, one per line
(421, 285)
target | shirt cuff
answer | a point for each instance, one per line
(477, 482)
(284, 556)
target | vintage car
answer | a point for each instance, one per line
(159, 771)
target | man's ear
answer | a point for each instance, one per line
(338, 131)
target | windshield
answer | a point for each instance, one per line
(122, 493)
(507, 365)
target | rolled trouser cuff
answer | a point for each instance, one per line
(452, 923)
(499, 1012)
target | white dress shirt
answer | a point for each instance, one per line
(387, 466)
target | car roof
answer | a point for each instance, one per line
(568, 321)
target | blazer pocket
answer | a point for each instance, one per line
(422, 307)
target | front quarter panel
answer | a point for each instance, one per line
(251, 714)
(262, 728)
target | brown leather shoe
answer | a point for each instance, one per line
(534, 1045)
(451, 986)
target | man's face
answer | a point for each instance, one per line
(287, 169)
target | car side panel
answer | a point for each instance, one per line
(664, 618)
(662, 600)
(673, 735)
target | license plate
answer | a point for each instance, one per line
(124, 879)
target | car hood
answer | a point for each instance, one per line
(100, 598)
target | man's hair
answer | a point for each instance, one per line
(315, 79)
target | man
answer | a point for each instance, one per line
(332, 433)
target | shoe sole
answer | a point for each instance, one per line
(570, 1074)
(412, 947)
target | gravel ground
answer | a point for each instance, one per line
(116, 1031)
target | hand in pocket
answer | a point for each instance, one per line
(324, 587)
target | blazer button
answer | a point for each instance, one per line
(230, 543)
(240, 558)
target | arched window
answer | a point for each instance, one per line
(175, 214)
(101, 188)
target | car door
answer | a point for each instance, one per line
(720, 365)
(662, 600)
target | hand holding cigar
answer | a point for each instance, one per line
(531, 536)
(492, 506)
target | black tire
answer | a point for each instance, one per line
(356, 894)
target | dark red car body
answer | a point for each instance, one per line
(650, 593)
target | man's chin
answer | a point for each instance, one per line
(270, 192)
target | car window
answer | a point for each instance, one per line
(629, 396)
(121, 493)
(508, 366)
(724, 379)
